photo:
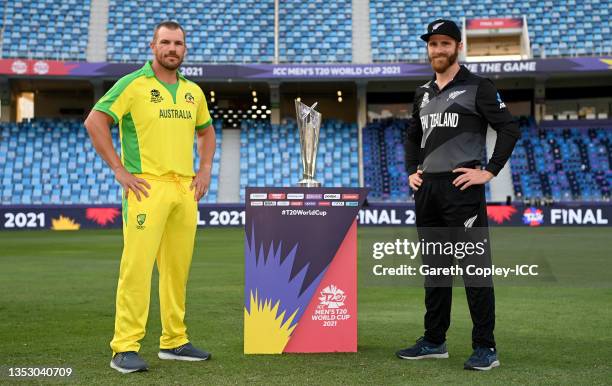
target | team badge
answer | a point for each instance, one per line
(140, 219)
(189, 98)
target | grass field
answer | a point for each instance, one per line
(57, 305)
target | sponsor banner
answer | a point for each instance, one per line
(300, 292)
(567, 214)
(494, 23)
(33, 68)
(74, 217)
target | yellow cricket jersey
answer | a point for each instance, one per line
(157, 121)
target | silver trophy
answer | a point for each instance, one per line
(309, 124)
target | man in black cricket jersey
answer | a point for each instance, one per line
(444, 149)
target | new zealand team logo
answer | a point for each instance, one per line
(140, 219)
(533, 217)
(156, 96)
(189, 98)
(455, 94)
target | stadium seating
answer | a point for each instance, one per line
(563, 164)
(218, 31)
(315, 31)
(557, 27)
(270, 155)
(384, 164)
(53, 162)
(45, 29)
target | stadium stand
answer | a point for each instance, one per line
(557, 27)
(53, 162)
(384, 164)
(324, 35)
(45, 29)
(219, 31)
(563, 164)
(270, 155)
(556, 164)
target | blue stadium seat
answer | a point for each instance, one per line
(213, 29)
(557, 28)
(32, 28)
(68, 174)
(284, 168)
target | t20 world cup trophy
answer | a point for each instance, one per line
(309, 124)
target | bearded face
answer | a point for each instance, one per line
(442, 51)
(169, 48)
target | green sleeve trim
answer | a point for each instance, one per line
(105, 103)
(106, 111)
(204, 125)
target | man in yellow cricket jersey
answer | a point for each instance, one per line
(159, 112)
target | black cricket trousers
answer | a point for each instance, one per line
(440, 205)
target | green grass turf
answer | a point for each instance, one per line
(57, 305)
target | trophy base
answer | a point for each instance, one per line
(309, 183)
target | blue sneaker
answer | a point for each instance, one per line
(424, 349)
(128, 362)
(483, 358)
(185, 352)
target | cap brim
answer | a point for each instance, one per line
(426, 37)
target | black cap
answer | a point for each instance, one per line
(442, 27)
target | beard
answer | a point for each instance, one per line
(166, 61)
(441, 63)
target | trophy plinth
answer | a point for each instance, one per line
(309, 125)
(309, 183)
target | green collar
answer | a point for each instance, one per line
(148, 71)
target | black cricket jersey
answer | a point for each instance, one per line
(449, 126)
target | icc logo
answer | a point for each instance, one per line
(156, 96)
(332, 297)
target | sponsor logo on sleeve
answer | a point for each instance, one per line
(502, 105)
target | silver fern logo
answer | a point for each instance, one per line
(454, 94)
(436, 26)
